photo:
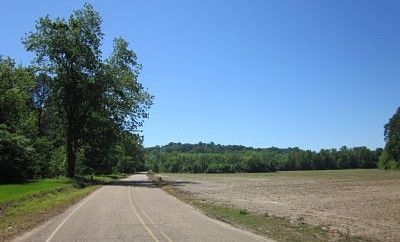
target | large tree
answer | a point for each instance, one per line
(390, 158)
(84, 87)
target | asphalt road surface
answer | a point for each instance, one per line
(134, 210)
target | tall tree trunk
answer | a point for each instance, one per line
(71, 155)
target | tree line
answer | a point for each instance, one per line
(216, 158)
(71, 111)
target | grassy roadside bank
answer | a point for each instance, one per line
(24, 206)
(273, 227)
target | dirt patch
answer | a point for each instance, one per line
(362, 203)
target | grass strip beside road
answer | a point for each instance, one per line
(273, 227)
(24, 206)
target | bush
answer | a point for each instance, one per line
(387, 163)
(43, 154)
(16, 157)
(58, 162)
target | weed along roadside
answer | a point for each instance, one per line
(273, 227)
(24, 206)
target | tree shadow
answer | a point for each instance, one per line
(150, 183)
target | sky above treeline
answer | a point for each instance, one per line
(312, 74)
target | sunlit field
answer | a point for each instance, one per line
(359, 202)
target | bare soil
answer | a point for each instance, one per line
(363, 203)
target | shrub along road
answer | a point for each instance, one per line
(133, 209)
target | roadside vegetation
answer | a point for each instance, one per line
(23, 206)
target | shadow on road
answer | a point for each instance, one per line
(150, 184)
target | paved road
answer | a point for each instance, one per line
(134, 210)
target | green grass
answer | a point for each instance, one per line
(23, 206)
(14, 192)
(109, 178)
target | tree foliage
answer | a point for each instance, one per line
(72, 111)
(85, 88)
(17, 122)
(212, 158)
(16, 156)
(390, 158)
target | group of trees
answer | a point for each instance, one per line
(212, 158)
(71, 112)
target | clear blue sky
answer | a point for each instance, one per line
(313, 74)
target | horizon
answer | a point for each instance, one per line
(266, 147)
(311, 75)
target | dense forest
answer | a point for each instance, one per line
(216, 158)
(72, 112)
